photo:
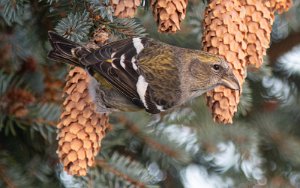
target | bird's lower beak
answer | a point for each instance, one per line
(230, 81)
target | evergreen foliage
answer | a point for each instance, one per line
(184, 148)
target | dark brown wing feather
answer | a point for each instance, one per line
(107, 62)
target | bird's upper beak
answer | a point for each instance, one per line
(229, 80)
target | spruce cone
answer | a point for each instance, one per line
(259, 18)
(125, 8)
(80, 129)
(240, 32)
(52, 90)
(16, 102)
(169, 14)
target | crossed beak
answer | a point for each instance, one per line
(229, 80)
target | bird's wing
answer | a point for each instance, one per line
(116, 62)
(150, 80)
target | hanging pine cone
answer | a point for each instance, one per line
(259, 18)
(125, 8)
(16, 102)
(169, 14)
(80, 129)
(240, 32)
(224, 35)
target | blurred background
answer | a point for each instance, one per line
(185, 148)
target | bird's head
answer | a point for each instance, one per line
(208, 71)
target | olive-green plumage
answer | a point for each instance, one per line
(141, 73)
(163, 76)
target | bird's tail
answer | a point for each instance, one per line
(64, 50)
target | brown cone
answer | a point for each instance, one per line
(169, 14)
(16, 102)
(125, 8)
(80, 129)
(52, 90)
(240, 32)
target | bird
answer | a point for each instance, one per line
(143, 73)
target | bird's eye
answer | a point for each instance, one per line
(216, 67)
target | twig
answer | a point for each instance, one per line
(151, 142)
(103, 164)
(43, 121)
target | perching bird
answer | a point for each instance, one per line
(142, 73)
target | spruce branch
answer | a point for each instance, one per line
(127, 169)
(135, 130)
(277, 139)
(18, 48)
(11, 171)
(156, 143)
(5, 82)
(7, 181)
(126, 27)
(13, 11)
(106, 166)
(10, 124)
(75, 27)
(103, 9)
(20, 108)
(50, 2)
